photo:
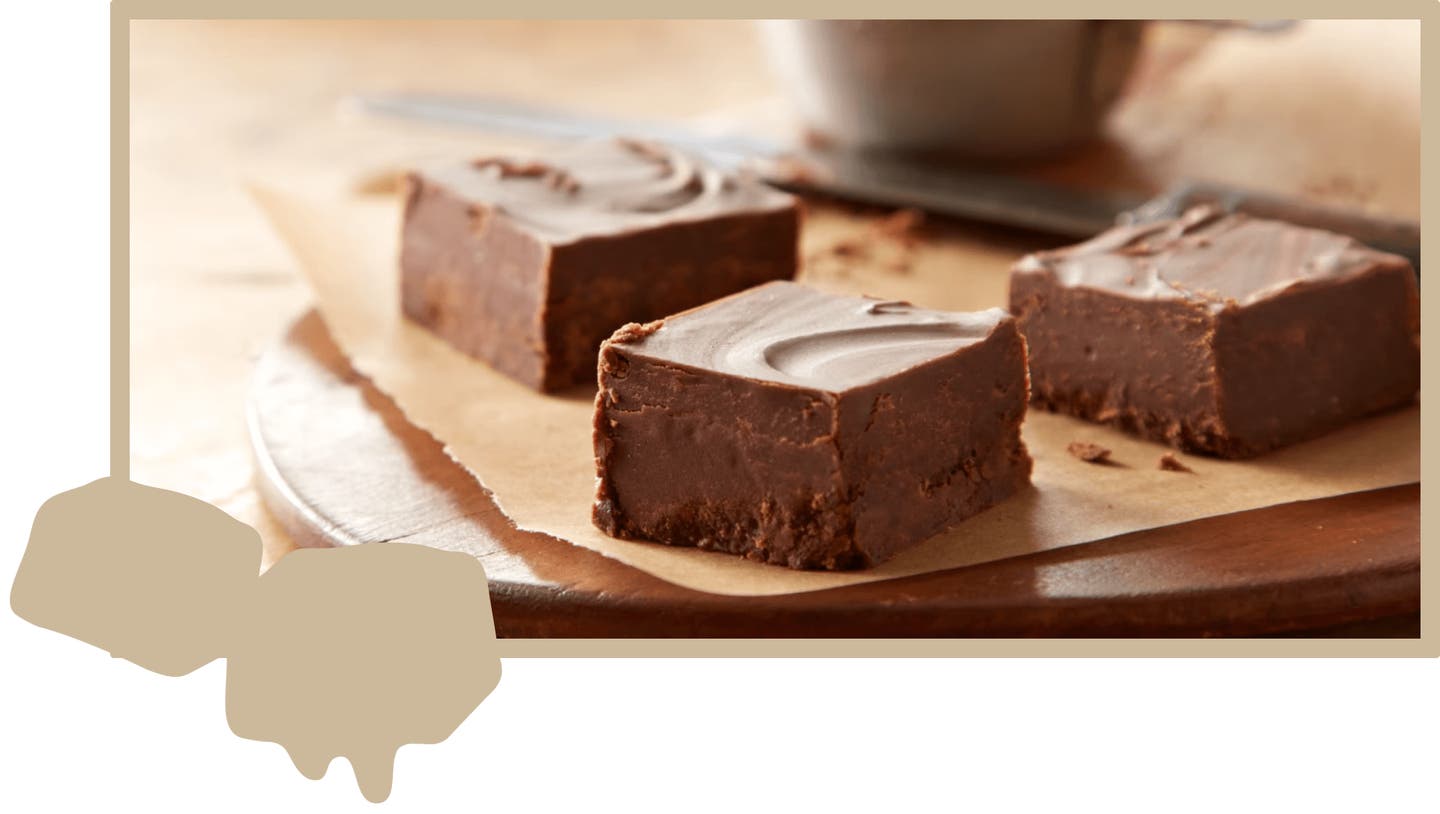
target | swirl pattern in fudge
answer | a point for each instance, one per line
(794, 334)
(1207, 256)
(606, 186)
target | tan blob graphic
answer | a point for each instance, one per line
(152, 576)
(351, 652)
(401, 650)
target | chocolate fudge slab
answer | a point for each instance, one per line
(1219, 334)
(529, 265)
(815, 431)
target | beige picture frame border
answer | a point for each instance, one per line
(124, 11)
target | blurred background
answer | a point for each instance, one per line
(1324, 111)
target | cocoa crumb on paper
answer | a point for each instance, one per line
(1088, 452)
(903, 226)
(840, 258)
(886, 245)
(851, 249)
(1170, 463)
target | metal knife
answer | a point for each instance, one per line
(894, 181)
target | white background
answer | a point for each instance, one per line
(80, 731)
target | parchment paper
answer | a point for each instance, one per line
(534, 453)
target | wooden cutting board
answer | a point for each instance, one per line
(338, 464)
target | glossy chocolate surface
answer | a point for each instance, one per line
(1209, 257)
(605, 187)
(797, 335)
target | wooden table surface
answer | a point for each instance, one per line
(1330, 112)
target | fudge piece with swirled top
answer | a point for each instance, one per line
(1219, 333)
(807, 429)
(530, 264)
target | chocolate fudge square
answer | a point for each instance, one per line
(811, 430)
(1219, 334)
(529, 265)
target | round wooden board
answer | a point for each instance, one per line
(339, 465)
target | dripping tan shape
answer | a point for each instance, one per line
(351, 652)
(402, 652)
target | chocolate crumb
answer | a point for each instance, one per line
(897, 229)
(901, 225)
(841, 257)
(850, 249)
(1088, 452)
(1170, 463)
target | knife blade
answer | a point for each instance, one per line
(952, 190)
